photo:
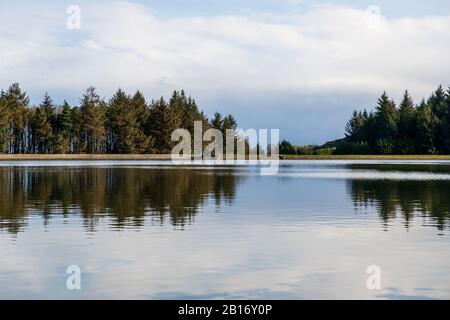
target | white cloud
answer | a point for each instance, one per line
(325, 49)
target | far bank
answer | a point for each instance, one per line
(141, 157)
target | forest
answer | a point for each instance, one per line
(404, 129)
(128, 124)
(125, 124)
(390, 129)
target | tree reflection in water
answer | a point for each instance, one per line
(127, 195)
(428, 200)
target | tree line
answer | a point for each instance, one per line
(408, 128)
(123, 124)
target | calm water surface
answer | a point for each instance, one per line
(149, 230)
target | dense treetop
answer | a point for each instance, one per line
(123, 124)
(404, 129)
(407, 128)
(128, 124)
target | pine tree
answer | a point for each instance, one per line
(217, 121)
(386, 118)
(124, 125)
(447, 101)
(49, 108)
(187, 110)
(93, 133)
(192, 114)
(42, 131)
(446, 120)
(121, 122)
(425, 143)
(285, 147)
(5, 119)
(438, 104)
(17, 103)
(63, 133)
(229, 123)
(65, 120)
(141, 110)
(77, 145)
(162, 122)
(406, 125)
(177, 105)
(355, 129)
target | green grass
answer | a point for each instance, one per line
(9, 157)
(366, 157)
(43, 157)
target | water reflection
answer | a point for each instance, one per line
(126, 195)
(409, 199)
(290, 236)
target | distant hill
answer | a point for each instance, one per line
(333, 143)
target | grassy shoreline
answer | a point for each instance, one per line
(366, 157)
(93, 157)
(99, 157)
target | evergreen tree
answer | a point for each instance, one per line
(17, 103)
(5, 119)
(386, 117)
(410, 129)
(425, 143)
(438, 104)
(65, 121)
(406, 125)
(93, 133)
(447, 122)
(141, 110)
(77, 145)
(163, 121)
(124, 125)
(285, 147)
(49, 107)
(217, 121)
(42, 131)
(127, 135)
(229, 123)
(187, 110)
(63, 131)
(192, 114)
(447, 101)
(118, 122)
(355, 127)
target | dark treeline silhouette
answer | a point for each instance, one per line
(404, 129)
(126, 196)
(124, 124)
(407, 128)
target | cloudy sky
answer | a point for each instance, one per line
(298, 65)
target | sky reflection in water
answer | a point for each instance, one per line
(139, 230)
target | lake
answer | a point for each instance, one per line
(150, 230)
